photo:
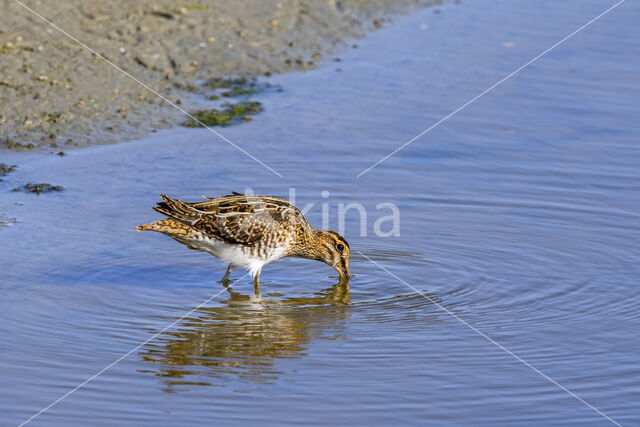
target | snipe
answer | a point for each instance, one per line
(249, 232)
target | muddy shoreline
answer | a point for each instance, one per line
(55, 94)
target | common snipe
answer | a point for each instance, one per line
(249, 232)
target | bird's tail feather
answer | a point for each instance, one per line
(178, 210)
(168, 226)
(143, 227)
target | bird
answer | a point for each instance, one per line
(249, 231)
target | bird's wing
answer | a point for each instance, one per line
(235, 219)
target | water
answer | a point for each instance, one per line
(519, 215)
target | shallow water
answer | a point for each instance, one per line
(519, 215)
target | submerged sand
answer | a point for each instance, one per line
(55, 93)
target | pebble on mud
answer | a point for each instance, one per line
(6, 221)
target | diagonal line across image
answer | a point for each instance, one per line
(124, 356)
(481, 94)
(500, 346)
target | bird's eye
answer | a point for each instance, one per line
(340, 246)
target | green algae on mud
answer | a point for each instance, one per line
(6, 169)
(235, 86)
(38, 188)
(13, 145)
(229, 114)
(230, 82)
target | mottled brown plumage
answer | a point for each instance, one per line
(249, 231)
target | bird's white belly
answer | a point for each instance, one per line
(241, 256)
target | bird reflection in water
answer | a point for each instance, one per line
(245, 336)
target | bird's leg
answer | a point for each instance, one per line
(256, 285)
(225, 278)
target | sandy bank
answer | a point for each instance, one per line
(54, 93)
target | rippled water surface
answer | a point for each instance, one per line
(519, 215)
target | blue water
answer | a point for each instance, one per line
(519, 215)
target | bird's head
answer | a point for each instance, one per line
(334, 250)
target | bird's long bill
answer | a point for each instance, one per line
(343, 268)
